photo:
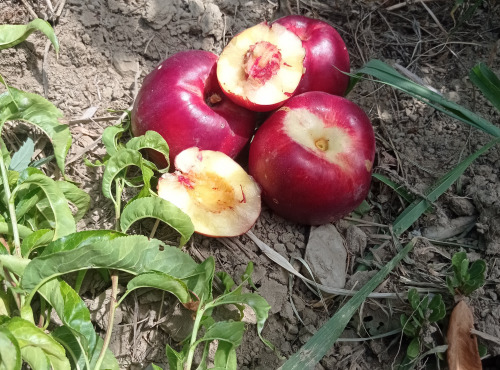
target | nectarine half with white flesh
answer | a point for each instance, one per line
(313, 158)
(261, 67)
(215, 191)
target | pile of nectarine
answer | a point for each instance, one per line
(312, 157)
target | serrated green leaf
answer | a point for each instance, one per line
(257, 303)
(487, 82)
(64, 221)
(161, 281)
(28, 335)
(151, 140)
(122, 159)
(10, 353)
(37, 239)
(79, 198)
(80, 239)
(22, 158)
(225, 357)
(134, 254)
(161, 209)
(13, 34)
(175, 359)
(32, 108)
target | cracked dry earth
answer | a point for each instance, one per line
(108, 46)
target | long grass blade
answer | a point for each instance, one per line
(387, 75)
(487, 82)
(321, 342)
(419, 206)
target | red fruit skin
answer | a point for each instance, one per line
(325, 50)
(173, 102)
(302, 186)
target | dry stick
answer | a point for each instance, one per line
(434, 17)
(49, 5)
(111, 318)
(60, 9)
(45, 66)
(30, 9)
(401, 5)
(486, 336)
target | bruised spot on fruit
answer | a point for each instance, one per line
(261, 62)
(275, 201)
(322, 144)
(285, 109)
(212, 192)
(368, 165)
(244, 199)
(199, 156)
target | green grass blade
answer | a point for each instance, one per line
(399, 189)
(418, 207)
(321, 342)
(487, 82)
(389, 76)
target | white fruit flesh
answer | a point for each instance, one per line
(284, 48)
(214, 191)
(309, 131)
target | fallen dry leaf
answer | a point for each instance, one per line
(462, 345)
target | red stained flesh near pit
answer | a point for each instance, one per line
(262, 61)
(185, 181)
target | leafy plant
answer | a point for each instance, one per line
(465, 279)
(426, 311)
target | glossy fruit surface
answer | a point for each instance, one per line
(181, 99)
(326, 55)
(261, 67)
(313, 158)
(214, 191)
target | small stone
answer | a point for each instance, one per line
(196, 8)
(356, 240)
(125, 64)
(327, 256)
(211, 21)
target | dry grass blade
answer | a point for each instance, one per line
(462, 345)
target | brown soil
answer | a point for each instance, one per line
(108, 46)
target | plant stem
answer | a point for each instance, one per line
(111, 318)
(194, 334)
(119, 183)
(12, 208)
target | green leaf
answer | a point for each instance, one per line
(22, 158)
(80, 239)
(399, 189)
(321, 342)
(413, 212)
(6, 228)
(161, 209)
(13, 34)
(227, 331)
(225, 357)
(28, 335)
(487, 82)
(413, 298)
(134, 254)
(14, 264)
(161, 281)
(413, 349)
(151, 140)
(10, 353)
(175, 359)
(110, 137)
(122, 159)
(37, 239)
(389, 76)
(79, 198)
(64, 221)
(32, 108)
(438, 308)
(36, 358)
(257, 303)
(226, 279)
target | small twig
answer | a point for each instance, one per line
(87, 120)
(30, 9)
(60, 8)
(45, 67)
(434, 17)
(155, 227)
(49, 5)
(402, 5)
(111, 318)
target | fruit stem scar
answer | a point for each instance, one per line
(214, 99)
(261, 62)
(322, 144)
